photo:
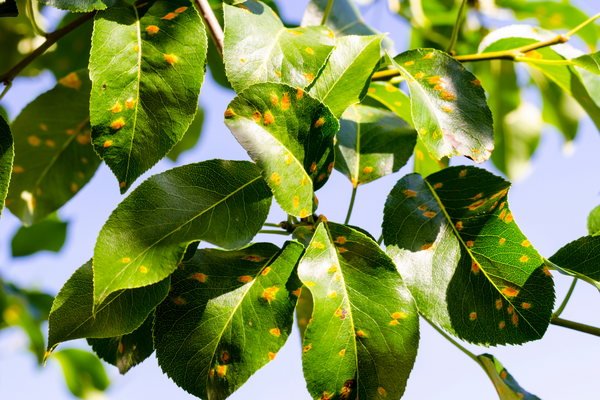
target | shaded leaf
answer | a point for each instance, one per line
(290, 136)
(228, 314)
(73, 317)
(16, 313)
(145, 83)
(84, 373)
(80, 6)
(589, 62)
(54, 159)
(425, 163)
(372, 143)
(506, 386)
(190, 138)
(222, 202)
(126, 351)
(449, 108)
(365, 327)
(593, 222)
(7, 153)
(580, 259)
(217, 66)
(259, 48)
(49, 234)
(304, 310)
(464, 259)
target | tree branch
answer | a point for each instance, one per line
(211, 22)
(576, 326)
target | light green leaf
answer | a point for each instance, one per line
(425, 163)
(580, 259)
(7, 153)
(145, 82)
(72, 315)
(79, 6)
(392, 98)
(259, 48)
(126, 351)
(363, 338)
(342, 81)
(589, 62)
(16, 313)
(506, 386)
(84, 373)
(49, 234)
(372, 143)
(449, 108)
(593, 222)
(290, 136)
(145, 238)
(190, 138)
(228, 314)
(464, 259)
(54, 159)
(304, 310)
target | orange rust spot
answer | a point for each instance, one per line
(399, 315)
(116, 108)
(141, 5)
(434, 80)
(269, 293)
(360, 334)
(253, 258)
(533, 54)
(152, 29)
(319, 122)
(303, 213)
(136, 48)
(390, 88)
(275, 332)
(462, 173)
(50, 143)
(342, 250)
(321, 177)
(470, 243)
(476, 82)
(515, 319)
(199, 277)
(269, 119)
(242, 60)
(410, 193)
(313, 167)
(285, 101)
(473, 316)
(229, 113)
(307, 348)
(419, 75)
(74, 187)
(342, 352)
(296, 202)
(428, 56)
(18, 169)
(477, 204)
(381, 391)
(274, 99)
(354, 182)
(409, 63)
(499, 304)
(179, 301)
(477, 196)
(120, 347)
(326, 396)
(225, 357)
(70, 131)
(308, 77)
(546, 271)
(171, 58)
(422, 207)
(34, 140)
(169, 16)
(245, 278)
(266, 271)
(212, 373)
(459, 225)
(275, 178)
(256, 116)
(129, 103)
(429, 214)
(427, 246)
(510, 310)
(118, 124)
(503, 374)
(371, 90)
(330, 167)
(278, 73)
(501, 325)
(509, 218)
(297, 292)
(71, 80)
(502, 214)
(85, 161)
(394, 322)
(475, 267)
(288, 159)
(526, 243)
(318, 245)
(437, 185)
(341, 240)
(180, 10)
(446, 95)
(271, 356)
(510, 292)
(524, 258)
(526, 305)
(222, 370)
(367, 170)
(299, 94)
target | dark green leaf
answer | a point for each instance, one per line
(145, 238)
(580, 259)
(593, 222)
(506, 386)
(216, 66)
(190, 138)
(363, 338)
(259, 48)
(228, 314)
(7, 153)
(79, 6)
(145, 82)
(54, 159)
(49, 234)
(123, 312)
(84, 373)
(449, 108)
(372, 143)
(464, 259)
(126, 351)
(290, 136)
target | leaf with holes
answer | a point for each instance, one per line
(126, 351)
(365, 327)
(259, 48)
(49, 234)
(228, 314)
(465, 260)
(54, 159)
(506, 386)
(72, 316)
(342, 81)
(290, 136)
(449, 108)
(145, 82)
(222, 202)
(580, 259)
(7, 154)
(79, 6)
(372, 143)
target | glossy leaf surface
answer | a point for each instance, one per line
(53, 157)
(84, 373)
(290, 136)
(449, 108)
(466, 262)
(191, 137)
(506, 386)
(49, 234)
(580, 259)
(363, 338)
(79, 6)
(259, 48)
(372, 143)
(145, 238)
(123, 312)
(228, 314)
(146, 82)
(7, 153)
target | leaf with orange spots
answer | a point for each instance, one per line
(506, 386)
(52, 150)
(464, 259)
(155, 77)
(7, 154)
(437, 80)
(349, 329)
(372, 143)
(227, 329)
(146, 236)
(580, 259)
(255, 34)
(79, 6)
(123, 312)
(49, 235)
(295, 151)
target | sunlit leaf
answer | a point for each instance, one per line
(392, 98)
(79, 6)
(49, 234)
(190, 138)
(593, 222)
(506, 386)
(7, 153)
(304, 310)
(84, 373)
(425, 163)
(580, 259)
(227, 315)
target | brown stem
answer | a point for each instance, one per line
(591, 330)
(211, 22)
(51, 38)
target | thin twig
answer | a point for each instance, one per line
(351, 205)
(457, 25)
(274, 232)
(272, 225)
(327, 11)
(576, 326)
(566, 300)
(444, 334)
(211, 22)
(380, 240)
(30, 11)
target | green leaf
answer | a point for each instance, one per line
(145, 82)
(589, 62)
(363, 338)
(49, 234)
(222, 202)
(449, 108)
(259, 48)
(290, 136)
(16, 313)
(304, 310)
(7, 153)
(79, 6)
(372, 143)
(54, 159)
(190, 138)
(228, 314)
(425, 163)
(506, 386)
(580, 259)
(464, 259)
(593, 222)
(217, 66)
(73, 317)
(392, 98)
(126, 351)
(342, 81)
(84, 373)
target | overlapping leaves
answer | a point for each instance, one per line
(506, 386)
(580, 259)
(79, 6)
(365, 327)
(227, 315)
(49, 234)
(467, 264)
(6, 159)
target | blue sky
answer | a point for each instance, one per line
(551, 206)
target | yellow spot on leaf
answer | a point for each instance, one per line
(419, 75)
(274, 99)
(368, 170)
(50, 143)
(394, 322)
(297, 292)
(546, 271)
(437, 88)
(428, 56)
(308, 77)
(318, 245)
(503, 374)
(242, 60)
(116, 108)
(360, 334)
(275, 332)
(307, 348)
(526, 243)
(533, 54)
(422, 207)
(524, 258)
(397, 103)
(342, 352)
(296, 202)
(71, 80)
(447, 109)
(293, 32)
(285, 101)
(309, 50)
(427, 246)
(152, 29)
(275, 178)
(433, 80)
(171, 58)
(271, 356)
(429, 214)
(143, 270)
(229, 113)
(476, 82)
(136, 48)
(34, 140)
(390, 88)
(477, 204)
(129, 103)
(399, 315)
(333, 268)
(409, 63)
(118, 124)
(266, 271)
(446, 95)
(303, 213)
(126, 260)
(269, 293)
(509, 218)
(222, 370)
(332, 294)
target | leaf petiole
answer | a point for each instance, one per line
(274, 232)
(456, 28)
(566, 300)
(327, 11)
(354, 189)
